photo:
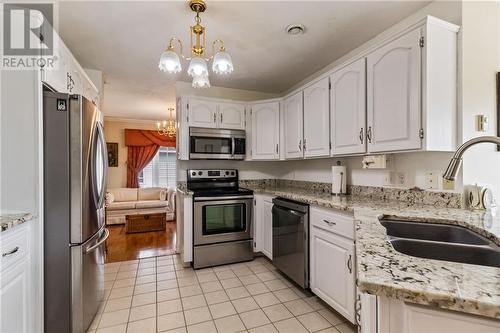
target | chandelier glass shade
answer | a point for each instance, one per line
(170, 62)
(222, 63)
(201, 81)
(197, 67)
(167, 127)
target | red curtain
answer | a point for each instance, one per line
(142, 146)
(138, 158)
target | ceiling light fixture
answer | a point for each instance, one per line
(295, 29)
(198, 69)
(167, 127)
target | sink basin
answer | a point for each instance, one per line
(467, 254)
(432, 232)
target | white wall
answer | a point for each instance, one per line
(480, 62)
(19, 140)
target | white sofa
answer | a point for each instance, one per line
(121, 202)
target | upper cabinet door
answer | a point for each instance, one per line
(317, 120)
(232, 116)
(294, 126)
(394, 113)
(348, 109)
(202, 113)
(265, 131)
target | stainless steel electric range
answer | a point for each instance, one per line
(222, 218)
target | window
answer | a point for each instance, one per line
(161, 171)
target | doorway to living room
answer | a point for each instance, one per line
(140, 201)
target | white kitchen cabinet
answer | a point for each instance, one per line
(231, 116)
(182, 135)
(394, 114)
(411, 90)
(396, 316)
(17, 281)
(263, 228)
(294, 125)
(184, 246)
(202, 113)
(317, 119)
(332, 271)
(332, 260)
(265, 131)
(348, 109)
(213, 113)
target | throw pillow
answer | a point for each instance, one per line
(109, 198)
(163, 195)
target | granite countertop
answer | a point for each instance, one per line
(385, 272)
(9, 220)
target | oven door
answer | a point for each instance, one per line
(222, 219)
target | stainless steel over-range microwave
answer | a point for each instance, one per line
(216, 144)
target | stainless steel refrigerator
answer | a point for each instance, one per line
(75, 169)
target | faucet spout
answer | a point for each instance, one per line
(456, 161)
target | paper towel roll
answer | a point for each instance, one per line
(339, 179)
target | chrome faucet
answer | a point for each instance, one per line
(456, 161)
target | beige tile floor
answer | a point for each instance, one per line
(159, 295)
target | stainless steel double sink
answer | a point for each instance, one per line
(441, 242)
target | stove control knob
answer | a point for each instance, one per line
(227, 173)
(200, 173)
(193, 173)
(232, 173)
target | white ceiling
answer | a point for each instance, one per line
(125, 38)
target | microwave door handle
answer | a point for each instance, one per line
(232, 147)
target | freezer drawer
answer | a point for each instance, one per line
(87, 287)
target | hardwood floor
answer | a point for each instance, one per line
(122, 246)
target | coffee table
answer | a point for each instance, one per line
(145, 222)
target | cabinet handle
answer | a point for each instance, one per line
(221, 117)
(369, 134)
(276, 148)
(300, 145)
(329, 222)
(8, 253)
(215, 118)
(304, 146)
(361, 135)
(349, 263)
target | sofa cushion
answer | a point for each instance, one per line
(151, 204)
(122, 205)
(150, 193)
(124, 194)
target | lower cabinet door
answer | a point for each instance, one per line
(15, 306)
(332, 271)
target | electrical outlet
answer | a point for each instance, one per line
(431, 180)
(402, 178)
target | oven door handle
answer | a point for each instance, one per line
(223, 198)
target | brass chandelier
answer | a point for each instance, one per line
(167, 127)
(198, 69)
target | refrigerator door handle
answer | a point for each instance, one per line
(95, 246)
(99, 146)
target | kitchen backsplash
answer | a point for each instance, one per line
(434, 198)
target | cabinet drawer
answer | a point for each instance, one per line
(14, 246)
(333, 221)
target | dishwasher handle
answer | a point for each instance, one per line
(287, 210)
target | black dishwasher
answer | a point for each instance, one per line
(291, 239)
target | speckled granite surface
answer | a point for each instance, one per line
(10, 220)
(385, 272)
